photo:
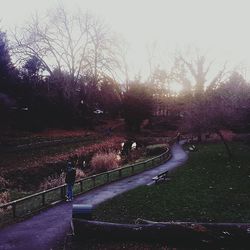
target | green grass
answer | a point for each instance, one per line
(209, 188)
(73, 244)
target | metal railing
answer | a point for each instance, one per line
(35, 202)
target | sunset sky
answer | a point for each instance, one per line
(219, 27)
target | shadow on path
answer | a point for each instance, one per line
(46, 230)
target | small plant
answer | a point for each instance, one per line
(156, 149)
(104, 161)
(53, 181)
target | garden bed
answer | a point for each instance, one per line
(37, 169)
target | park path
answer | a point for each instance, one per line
(47, 230)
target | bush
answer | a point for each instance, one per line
(79, 174)
(59, 179)
(53, 181)
(4, 197)
(3, 183)
(137, 106)
(156, 149)
(86, 153)
(134, 155)
(102, 162)
(30, 177)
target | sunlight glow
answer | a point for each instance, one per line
(176, 88)
(218, 27)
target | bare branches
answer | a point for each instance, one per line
(218, 78)
(75, 43)
(199, 67)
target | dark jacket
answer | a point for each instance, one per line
(70, 175)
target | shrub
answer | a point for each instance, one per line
(59, 179)
(29, 177)
(53, 181)
(134, 155)
(85, 153)
(156, 149)
(137, 106)
(104, 161)
(4, 197)
(79, 174)
(3, 183)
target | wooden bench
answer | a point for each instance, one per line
(160, 177)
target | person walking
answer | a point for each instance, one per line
(70, 179)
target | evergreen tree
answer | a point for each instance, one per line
(5, 62)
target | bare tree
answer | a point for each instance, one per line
(102, 57)
(204, 115)
(179, 73)
(124, 65)
(193, 69)
(221, 108)
(160, 83)
(75, 43)
(151, 55)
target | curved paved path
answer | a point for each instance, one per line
(47, 230)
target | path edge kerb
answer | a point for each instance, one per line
(176, 234)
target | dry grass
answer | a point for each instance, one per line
(4, 197)
(59, 179)
(104, 161)
(30, 172)
(133, 156)
(156, 149)
(61, 133)
(3, 183)
(111, 144)
(39, 158)
(79, 174)
(53, 181)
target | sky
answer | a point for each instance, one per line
(219, 27)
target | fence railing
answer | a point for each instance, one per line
(32, 203)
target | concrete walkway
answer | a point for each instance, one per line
(47, 230)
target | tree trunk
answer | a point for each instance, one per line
(225, 144)
(175, 234)
(199, 137)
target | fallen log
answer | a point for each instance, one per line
(175, 234)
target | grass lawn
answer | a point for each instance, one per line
(209, 188)
(71, 244)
